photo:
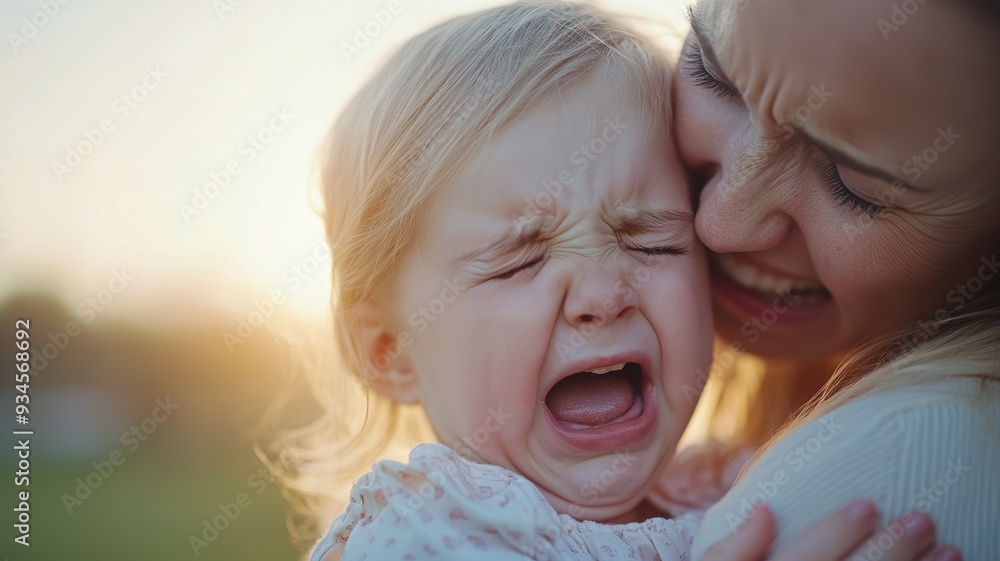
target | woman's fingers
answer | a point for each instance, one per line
(910, 537)
(750, 542)
(942, 554)
(850, 533)
(832, 538)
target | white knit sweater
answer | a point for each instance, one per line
(934, 447)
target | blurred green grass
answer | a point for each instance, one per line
(148, 508)
(110, 379)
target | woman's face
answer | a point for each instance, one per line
(846, 155)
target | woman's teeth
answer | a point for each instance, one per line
(805, 293)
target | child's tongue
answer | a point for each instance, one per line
(591, 399)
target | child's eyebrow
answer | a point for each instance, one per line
(633, 222)
(526, 230)
(523, 231)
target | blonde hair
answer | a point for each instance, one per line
(752, 403)
(966, 344)
(746, 397)
(406, 133)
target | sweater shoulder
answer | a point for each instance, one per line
(893, 447)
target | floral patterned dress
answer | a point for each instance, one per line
(442, 506)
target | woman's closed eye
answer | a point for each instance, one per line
(694, 65)
(846, 196)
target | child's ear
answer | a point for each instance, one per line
(387, 365)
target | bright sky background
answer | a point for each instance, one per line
(223, 74)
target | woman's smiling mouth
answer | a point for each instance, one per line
(799, 292)
(751, 292)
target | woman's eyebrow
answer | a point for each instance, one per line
(707, 52)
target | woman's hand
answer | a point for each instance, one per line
(698, 477)
(847, 533)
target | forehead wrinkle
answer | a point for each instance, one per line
(592, 246)
(523, 230)
(780, 170)
(715, 31)
(706, 17)
(753, 157)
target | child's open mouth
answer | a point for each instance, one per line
(598, 397)
(603, 407)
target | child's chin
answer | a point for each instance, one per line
(599, 503)
(606, 514)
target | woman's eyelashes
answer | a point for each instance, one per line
(694, 64)
(845, 196)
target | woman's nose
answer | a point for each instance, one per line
(744, 204)
(600, 294)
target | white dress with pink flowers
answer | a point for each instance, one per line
(442, 506)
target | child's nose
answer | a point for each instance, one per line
(599, 295)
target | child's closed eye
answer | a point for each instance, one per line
(653, 244)
(656, 250)
(510, 273)
(654, 232)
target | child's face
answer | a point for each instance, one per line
(512, 287)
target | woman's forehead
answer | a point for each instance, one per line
(832, 70)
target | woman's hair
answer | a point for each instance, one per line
(402, 139)
(751, 402)
(965, 343)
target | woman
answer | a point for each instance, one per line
(845, 153)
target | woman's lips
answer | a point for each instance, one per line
(768, 294)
